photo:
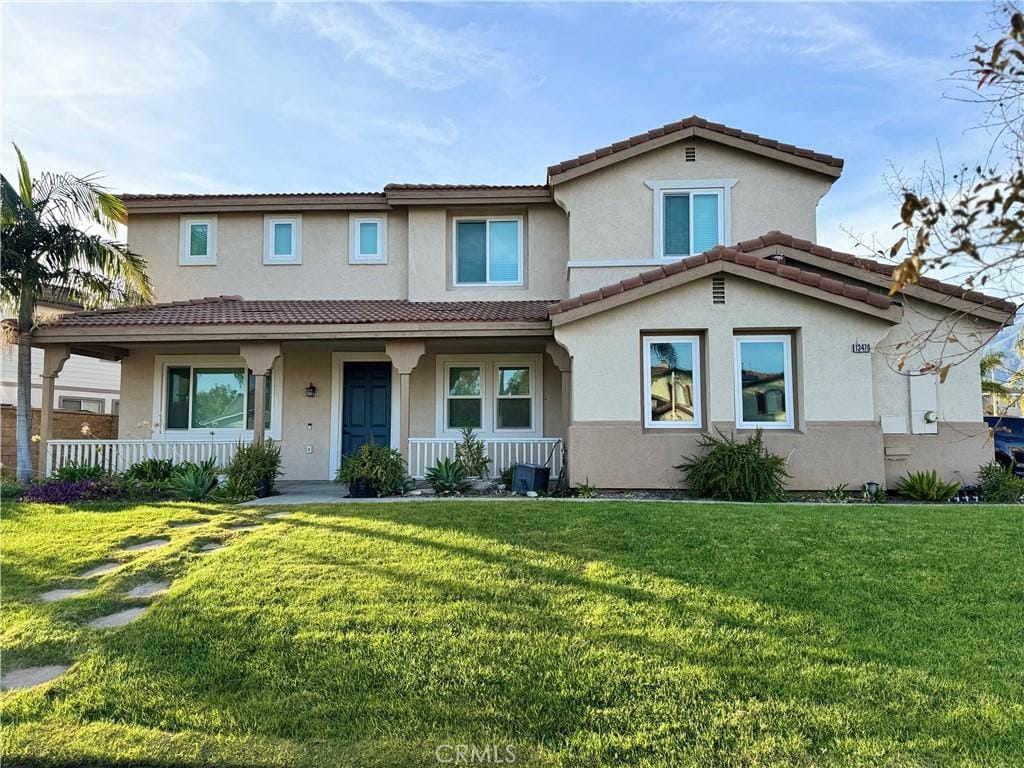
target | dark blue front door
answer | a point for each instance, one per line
(366, 405)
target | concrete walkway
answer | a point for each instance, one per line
(303, 492)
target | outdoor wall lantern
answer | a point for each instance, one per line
(311, 390)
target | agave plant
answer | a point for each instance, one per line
(448, 476)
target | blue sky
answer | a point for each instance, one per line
(323, 97)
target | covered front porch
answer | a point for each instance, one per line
(322, 398)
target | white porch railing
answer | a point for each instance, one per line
(425, 452)
(118, 455)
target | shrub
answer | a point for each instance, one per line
(10, 490)
(585, 490)
(998, 484)
(71, 491)
(377, 469)
(838, 494)
(735, 471)
(874, 493)
(506, 475)
(254, 468)
(147, 490)
(473, 454)
(73, 471)
(151, 471)
(926, 486)
(196, 482)
(448, 476)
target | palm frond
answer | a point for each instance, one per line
(24, 179)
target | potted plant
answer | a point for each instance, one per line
(372, 470)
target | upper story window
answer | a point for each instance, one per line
(764, 382)
(367, 240)
(672, 388)
(690, 217)
(282, 240)
(489, 251)
(198, 241)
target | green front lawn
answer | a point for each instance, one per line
(578, 634)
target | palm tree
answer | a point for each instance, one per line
(47, 246)
(989, 363)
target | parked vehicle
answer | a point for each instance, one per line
(1008, 436)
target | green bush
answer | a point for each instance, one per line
(147, 490)
(254, 468)
(506, 475)
(999, 486)
(926, 486)
(838, 494)
(10, 490)
(151, 471)
(378, 468)
(448, 476)
(196, 482)
(473, 454)
(735, 471)
(585, 490)
(72, 472)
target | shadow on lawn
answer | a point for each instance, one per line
(474, 622)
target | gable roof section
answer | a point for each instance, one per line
(879, 274)
(687, 128)
(730, 260)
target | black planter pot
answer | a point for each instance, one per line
(263, 489)
(362, 490)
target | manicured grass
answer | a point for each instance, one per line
(581, 634)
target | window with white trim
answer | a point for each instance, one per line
(488, 251)
(690, 216)
(211, 398)
(764, 382)
(496, 395)
(282, 240)
(672, 386)
(367, 240)
(198, 241)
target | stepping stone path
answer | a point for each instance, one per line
(211, 547)
(29, 676)
(100, 570)
(273, 515)
(151, 544)
(118, 619)
(245, 527)
(61, 594)
(180, 526)
(149, 589)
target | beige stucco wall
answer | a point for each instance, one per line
(324, 273)
(611, 210)
(545, 244)
(303, 363)
(833, 382)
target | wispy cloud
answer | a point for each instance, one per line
(356, 126)
(403, 47)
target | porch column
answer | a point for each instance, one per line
(54, 358)
(563, 361)
(404, 356)
(260, 357)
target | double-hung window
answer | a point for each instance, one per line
(764, 382)
(282, 240)
(198, 242)
(367, 241)
(690, 217)
(672, 387)
(491, 394)
(212, 398)
(489, 251)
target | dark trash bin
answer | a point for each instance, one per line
(530, 477)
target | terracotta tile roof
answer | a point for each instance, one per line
(780, 238)
(460, 187)
(693, 122)
(736, 256)
(129, 197)
(234, 310)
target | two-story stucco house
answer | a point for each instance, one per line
(643, 294)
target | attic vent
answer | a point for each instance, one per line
(690, 153)
(718, 289)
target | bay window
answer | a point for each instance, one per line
(764, 382)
